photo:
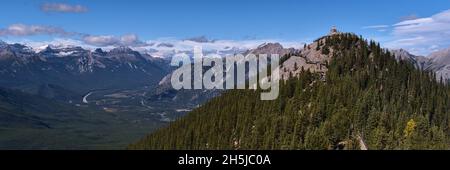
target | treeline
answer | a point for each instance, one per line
(365, 97)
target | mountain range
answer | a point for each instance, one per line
(77, 69)
(69, 90)
(438, 61)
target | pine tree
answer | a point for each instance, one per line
(365, 92)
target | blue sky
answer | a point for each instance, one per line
(130, 22)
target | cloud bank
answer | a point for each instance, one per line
(109, 40)
(22, 30)
(422, 35)
(162, 47)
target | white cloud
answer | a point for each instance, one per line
(19, 30)
(101, 40)
(109, 40)
(27, 30)
(408, 17)
(380, 28)
(375, 26)
(57, 42)
(200, 39)
(61, 7)
(422, 35)
(130, 39)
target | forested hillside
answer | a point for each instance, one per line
(366, 96)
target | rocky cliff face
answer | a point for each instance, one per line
(271, 48)
(419, 62)
(440, 63)
(310, 58)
